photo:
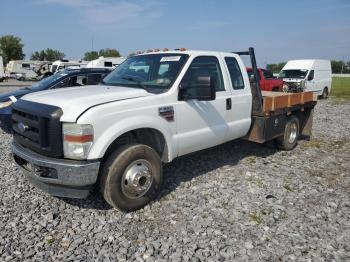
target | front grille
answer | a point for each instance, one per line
(37, 127)
(293, 87)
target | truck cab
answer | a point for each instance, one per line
(151, 109)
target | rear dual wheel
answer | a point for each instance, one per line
(291, 134)
(131, 177)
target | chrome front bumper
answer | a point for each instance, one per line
(58, 177)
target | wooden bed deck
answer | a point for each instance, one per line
(273, 101)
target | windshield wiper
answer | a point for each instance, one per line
(133, 79)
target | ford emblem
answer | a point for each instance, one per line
(22, 127)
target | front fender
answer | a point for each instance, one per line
(106, 137)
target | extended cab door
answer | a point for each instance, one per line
(241, 98)
(203, 124)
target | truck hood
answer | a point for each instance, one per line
(75, 100)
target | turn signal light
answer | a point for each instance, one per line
(78, 138)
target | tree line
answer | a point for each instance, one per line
(11, 48)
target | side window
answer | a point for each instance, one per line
(311, 75)
(235, 73)
(79, 80)
(63, 83)
(204, 66)
(94, 79)
(108, 64)
(267, 74)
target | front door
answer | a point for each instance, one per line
(203, 124)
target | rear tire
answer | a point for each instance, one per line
(291, 134)
(131, 177)
(325, 93)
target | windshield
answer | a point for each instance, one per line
(47, 82)
(153, 71)
(293, 73)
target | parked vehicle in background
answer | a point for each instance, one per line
(23, 69)
(60, 65)
(267, 81)
(307, 75)
(152, 108)
(106, 62)
(2, 72)
(44, 70)
(66, 78)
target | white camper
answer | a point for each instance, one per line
(60, 65)
(2, 73)
(307, 75)
(106, 62)
(24, 69)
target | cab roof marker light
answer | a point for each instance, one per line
(166, 49)
(149, 51)
(156, 50)
(180, 49)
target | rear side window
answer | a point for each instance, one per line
(235, 73)
(267, 74)
(94, 79)
(205, 65)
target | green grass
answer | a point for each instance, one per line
(341, 87)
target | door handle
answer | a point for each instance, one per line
(228, 104)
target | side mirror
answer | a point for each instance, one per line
(201, 88)
(252, 78)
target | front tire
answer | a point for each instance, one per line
(131, 177)
(291, 134)
(325, 93)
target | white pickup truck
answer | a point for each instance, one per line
(151, 109)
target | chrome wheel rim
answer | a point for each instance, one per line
(137, 179)
(293, 133)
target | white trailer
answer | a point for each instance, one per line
(24, 69)
(60, 65)
(106, 62)
(308, 75)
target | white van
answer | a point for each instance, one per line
(105, 62)
(307, 75)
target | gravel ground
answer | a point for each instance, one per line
(238, 202)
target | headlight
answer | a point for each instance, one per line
(77, 140)
(5, 104)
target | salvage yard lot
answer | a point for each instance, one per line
(238, 201)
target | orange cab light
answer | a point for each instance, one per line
(165, 49)
(156, 50)
(182, 49)
(79, 138)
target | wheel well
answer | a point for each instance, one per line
(147, 136)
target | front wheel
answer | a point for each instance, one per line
(291, 134)
(131, 177)
(324, 93)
